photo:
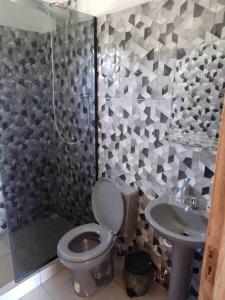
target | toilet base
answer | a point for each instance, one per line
(87, 282)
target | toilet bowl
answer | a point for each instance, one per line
(87, 249)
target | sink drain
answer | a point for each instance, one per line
(184, 233)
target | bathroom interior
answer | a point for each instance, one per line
(110, 119)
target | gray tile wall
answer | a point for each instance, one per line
(150, 61)
(3, 225)
(199, 89)
(27, 160)
(75, 96)
(40, 174)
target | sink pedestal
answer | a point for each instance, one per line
(187, 231)
(180, 279)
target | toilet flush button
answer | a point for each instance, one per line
(76, 287)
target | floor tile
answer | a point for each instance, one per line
(112, 292)
(37, 294)
(6, 270)
(5, 238)
(60, 287)
(156, 292)
(4, 248)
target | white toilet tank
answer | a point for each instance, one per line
(131, 202)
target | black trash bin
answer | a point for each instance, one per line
(137, 273)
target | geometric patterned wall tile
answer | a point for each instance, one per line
(151, 58)
(26, 127)
(75, 112)
(137, 47)
(2, 210)
(199, 90)
(40, 174)
(140, 56)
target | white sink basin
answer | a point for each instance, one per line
(187, 228)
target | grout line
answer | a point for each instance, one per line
(5, 243)
(3, 256)
(47, 291)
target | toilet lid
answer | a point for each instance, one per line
(107, 204)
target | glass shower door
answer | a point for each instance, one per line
(46, 183)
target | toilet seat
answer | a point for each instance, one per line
(107, 204)
(108, 209)
(106, 239)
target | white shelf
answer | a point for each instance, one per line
(195, 139)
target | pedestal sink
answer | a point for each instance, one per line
(186, 229)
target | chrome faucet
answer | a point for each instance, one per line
(194, 202)
(182, 189)
(193, 205)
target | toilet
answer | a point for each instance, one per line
(87, 249)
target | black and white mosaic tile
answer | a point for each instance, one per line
(148, 56)
(25, 126)
(75, 108)
(199, 90)
(40, 174)
(133, 126)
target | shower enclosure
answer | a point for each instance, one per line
(47, 127)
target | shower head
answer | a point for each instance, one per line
(57, 12)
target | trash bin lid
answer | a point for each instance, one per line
(138, 263)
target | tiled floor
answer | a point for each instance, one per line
(60, 287)
(6, 267)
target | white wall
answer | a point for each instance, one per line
(101, 7)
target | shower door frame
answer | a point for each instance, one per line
(95, 136)
(212, 285)
(96, 95)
